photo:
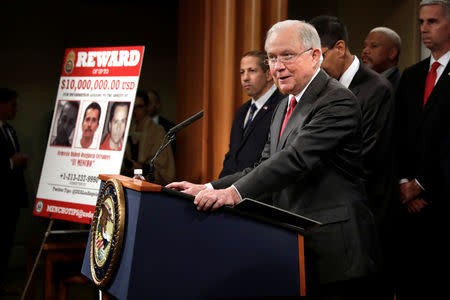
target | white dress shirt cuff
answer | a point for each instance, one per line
(418, 183)
(404, 180)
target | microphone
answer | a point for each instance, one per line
(171, 137)
(185, 123)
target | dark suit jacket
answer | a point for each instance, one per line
(393, 76)
(314, 170)
(245, 150)
(375, 95)
(14, 192)
(423, 133)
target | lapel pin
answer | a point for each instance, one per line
(265, 107)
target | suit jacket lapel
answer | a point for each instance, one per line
(254, 123)
(261, 113)
(275, 128)
(241, 118)
(303, 108)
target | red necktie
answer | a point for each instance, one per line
(429, 83)
(288, 114)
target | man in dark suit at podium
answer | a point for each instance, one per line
(252, 121)
(13, 193)
(311, 164)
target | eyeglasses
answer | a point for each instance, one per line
(285, 59)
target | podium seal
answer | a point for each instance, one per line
(107, 232)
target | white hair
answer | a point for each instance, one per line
(390, 34)
(306, 32)
(444, 3)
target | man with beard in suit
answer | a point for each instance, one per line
(311, 164)
(252, 120)
(381, 51)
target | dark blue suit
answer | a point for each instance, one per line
(245, 150)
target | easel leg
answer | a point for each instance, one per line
(50, 224)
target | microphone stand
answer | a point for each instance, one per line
(151, 171)
(171, 137)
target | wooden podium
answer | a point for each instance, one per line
(172, 251)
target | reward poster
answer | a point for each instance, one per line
(88, 133)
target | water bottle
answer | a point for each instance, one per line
(138, 174)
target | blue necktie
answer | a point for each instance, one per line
(250, 117)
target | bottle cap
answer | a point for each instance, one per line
(137, 171)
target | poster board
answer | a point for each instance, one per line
(91, 119)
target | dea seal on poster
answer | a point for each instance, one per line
(107, 232)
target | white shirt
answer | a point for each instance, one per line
(259, 103)
(348, 75)
(443, 60)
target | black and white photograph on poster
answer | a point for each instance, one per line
(65, 121)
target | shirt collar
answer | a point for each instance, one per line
(443, 60)
(299, 95)
(388, 72)
(263, 99)
(348, 75)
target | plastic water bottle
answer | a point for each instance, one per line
(138, 175)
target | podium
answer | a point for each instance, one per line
(172, 251)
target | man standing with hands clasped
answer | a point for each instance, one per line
(423, 136)
(311, 164)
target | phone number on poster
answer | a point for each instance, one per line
(78, 177)
(98, 84)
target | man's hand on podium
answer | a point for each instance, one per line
(209, 199)
(187, 187)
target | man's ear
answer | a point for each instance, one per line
(340, 46)
(393, 53)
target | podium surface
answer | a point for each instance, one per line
(172, 251)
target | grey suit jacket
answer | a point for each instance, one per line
(314, 169)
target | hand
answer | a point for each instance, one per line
(409, 191)
(416, 205)
(213, 199)
(187, 187)
(19, 160)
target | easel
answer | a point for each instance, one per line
(48, 232)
